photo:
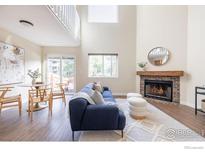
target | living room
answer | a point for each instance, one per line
(143, 63)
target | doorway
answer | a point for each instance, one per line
(62, 70)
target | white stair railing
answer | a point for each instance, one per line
(68, 17)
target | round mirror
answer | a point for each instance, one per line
(158, 56)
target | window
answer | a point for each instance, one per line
(103, 65)
(61, 70)
(103, 14)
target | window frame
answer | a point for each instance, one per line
(61, 57)
(104, 54)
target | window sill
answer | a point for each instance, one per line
(103, 77)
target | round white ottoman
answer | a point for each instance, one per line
(133, 95)
(137, 107)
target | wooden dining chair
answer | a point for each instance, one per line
(60, 93)
(39, 96)
(9, 101)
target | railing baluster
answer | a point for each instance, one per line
(68, 16)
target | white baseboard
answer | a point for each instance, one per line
(119, 94)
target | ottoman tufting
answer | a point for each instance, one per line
(133, 95)
(137, 107)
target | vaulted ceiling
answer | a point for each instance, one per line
(47, 31)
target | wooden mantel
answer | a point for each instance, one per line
(161, 73)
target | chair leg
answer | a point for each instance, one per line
(50, 107)
(122, 133)
(0, 107)
(73, 135)
(31, 111)
(20, 104)
(29, 108)
(64, 100)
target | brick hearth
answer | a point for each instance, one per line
(170, 76)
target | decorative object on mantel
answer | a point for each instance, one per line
(34, 75)
(158, 56)
(142, 65)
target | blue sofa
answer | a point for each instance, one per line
(84, 116)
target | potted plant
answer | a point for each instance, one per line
(142, 65)
(34, 75)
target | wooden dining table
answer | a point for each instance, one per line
(37, 106)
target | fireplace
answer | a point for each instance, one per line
(158, 89)
(171, 79)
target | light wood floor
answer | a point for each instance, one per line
(42, 128)
(57, 127)
(185, 115)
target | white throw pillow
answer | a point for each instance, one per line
(91, 92)
(83, 95)
(97, 86)
(97, 97)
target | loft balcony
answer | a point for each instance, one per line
(68, 16)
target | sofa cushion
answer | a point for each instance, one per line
(110, 99)
(107, 94)
(111, 103)
(100, 117)
(105, 88)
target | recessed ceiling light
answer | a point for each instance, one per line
(26, 23)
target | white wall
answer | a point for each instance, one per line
(196, 50)
(32, 55)
(104, 38)
(164, 26)
(178, 28)
(119, 38)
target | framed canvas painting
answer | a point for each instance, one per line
(12, 61)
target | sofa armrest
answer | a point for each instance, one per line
(101, 117)
(121, 121)
(77, 108)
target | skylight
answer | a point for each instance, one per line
(103, 14)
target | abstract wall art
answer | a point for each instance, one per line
(12, 61)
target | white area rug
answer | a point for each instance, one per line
(158, 126)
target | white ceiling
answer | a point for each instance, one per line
(47, 31)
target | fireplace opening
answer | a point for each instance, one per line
(158, 89)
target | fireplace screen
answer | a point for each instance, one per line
(158, 89)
